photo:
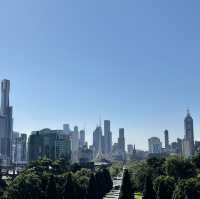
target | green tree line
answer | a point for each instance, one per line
(166, 178)
(46, 179)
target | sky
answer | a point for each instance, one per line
(134, 62)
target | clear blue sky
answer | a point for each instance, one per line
(134, 62)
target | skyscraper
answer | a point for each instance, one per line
(166, 134)
(6, 124)
(82, 138)
(155, 145)
(66, 129)
(97, 141)
(75, 144)
(107, 139)
(189, 134)
(121, 144)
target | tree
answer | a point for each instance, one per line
(3, 185)
(51, 192)
(126, 191)
(196, 161)
(69, 190)
(164, 187)
(148, 192)
(180, 168)
(26, 186)
(187, 189)
(92, 188)
(108, 180)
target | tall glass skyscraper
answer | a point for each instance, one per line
(6, 124)
(189, 134)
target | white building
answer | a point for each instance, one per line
(155, 145)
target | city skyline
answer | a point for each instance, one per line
(67, 128)
(133, 63)
(88, 138)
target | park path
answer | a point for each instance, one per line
(114, 193)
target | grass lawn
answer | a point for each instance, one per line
(138, 196)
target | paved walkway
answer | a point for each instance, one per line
(114, 193)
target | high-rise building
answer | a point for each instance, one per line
(82, 138)
(19, 149)
(130, 148)
(53, 144)
(97, 141)
(6, 124)
(166, 134)
(189, 134)
(155, 145)
(121, 144)
(75, 144)
(66, 129)
(107, 139)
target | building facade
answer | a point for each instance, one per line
(52, 144)
(155, 145)
(19, 149)
(6, 125)
(167, 146)
(75, 145)
(189, 134)
(107, 139)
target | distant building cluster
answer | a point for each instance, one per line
(18, 149)
(186, 146)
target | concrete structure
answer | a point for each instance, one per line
(6, 125)
(189, 134)
(53, 144)
(155, 145)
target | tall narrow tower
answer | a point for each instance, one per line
(5, 90)
(189, 132)
(6, 123)
(108, 139)
(166, 134)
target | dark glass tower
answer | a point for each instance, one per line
(189, 132)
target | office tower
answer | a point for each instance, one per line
(121, 144)
(107, 139)
(155, 145)
(19, 148)
(85, 154)
(75, 144)
(166, 134)
(52, 144)
(130, 148)
(179, 146)
(82, 138)
(66, 129)
(189, 134)
(6, 124)
(97, 141)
